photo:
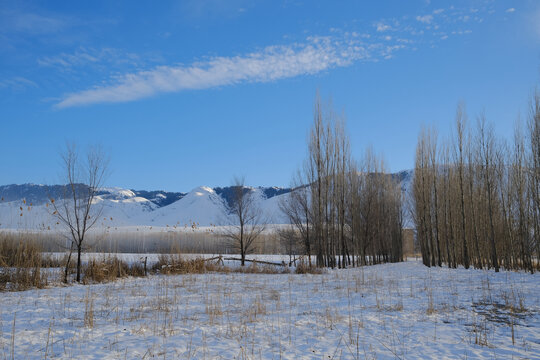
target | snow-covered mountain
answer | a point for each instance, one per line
(28, 206)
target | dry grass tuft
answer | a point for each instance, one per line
(255, 268)
(176, 264)
(20, 264)
(89, 310)
(109, 269)
(304, 268)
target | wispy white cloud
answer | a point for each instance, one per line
(17, 83)
(195, 10)
(511, 10)
(461, 32)
(31, 23)
(316, 54)
(270, 64)
(87, 56)
(79, 57)
(426, 19)
(382, 27)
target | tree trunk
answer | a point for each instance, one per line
(79, 250)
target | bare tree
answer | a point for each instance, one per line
(76, 210)
(461, 119)
(520, 196)
(317, 170)
(422, 197)
(290, 240)
(297, 208)
(246, 217)
(486, 139)
(534, 166)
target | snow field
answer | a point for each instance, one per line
(388, 311)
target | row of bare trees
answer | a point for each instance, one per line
(343, 212)
(476, 197)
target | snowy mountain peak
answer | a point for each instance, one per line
(201, 191)
(118, 193)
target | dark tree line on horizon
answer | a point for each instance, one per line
(344, 212)
(476, 198)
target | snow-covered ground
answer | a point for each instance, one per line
(389, 311)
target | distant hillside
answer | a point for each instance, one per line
(25, 206)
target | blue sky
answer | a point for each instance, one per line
(189, 93)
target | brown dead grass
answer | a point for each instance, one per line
(255, 268)
(304, 268)
(22, 261)
(177, 264)
(110, 269)
(20, 264)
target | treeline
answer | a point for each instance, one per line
(477, 197)
(344, 212)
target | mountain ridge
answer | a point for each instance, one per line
(39, 193)
(25, 206)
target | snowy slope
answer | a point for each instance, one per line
(119, 207)
(201, 206)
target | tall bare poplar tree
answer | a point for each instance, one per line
(459, 154)
(486, 139)
(534, 167)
